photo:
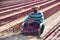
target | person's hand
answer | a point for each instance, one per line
(23, 23)
(22, 26)
(41, 25)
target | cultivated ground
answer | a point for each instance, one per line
(49, 22)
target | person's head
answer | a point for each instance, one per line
(35, 9)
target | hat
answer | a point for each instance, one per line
(35, 7)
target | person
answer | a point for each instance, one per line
(38, 18)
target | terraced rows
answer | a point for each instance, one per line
(16, 9)
(54, 33)
(19, 24)
(13, 13)
(18, 5)
(3, 4)
(51, 20)
(12, 22)
(16, 14)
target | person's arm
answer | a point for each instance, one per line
(42, 19)
(26, 20)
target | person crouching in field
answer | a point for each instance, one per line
(37, 17)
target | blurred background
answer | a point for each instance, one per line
(13, 13)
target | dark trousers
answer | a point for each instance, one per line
(42, 29)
